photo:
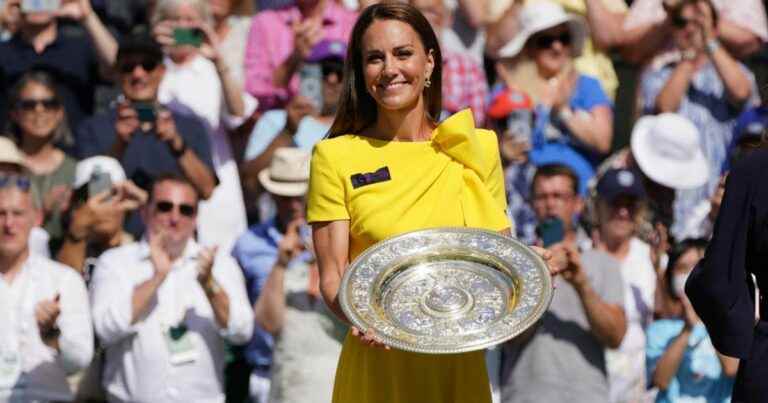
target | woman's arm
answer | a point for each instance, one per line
(674, 89)
(730, 365)
(594, 129)
(331, 241)
(669, 362)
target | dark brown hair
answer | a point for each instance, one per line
(61, 135)
(552, 170)
(357, 109)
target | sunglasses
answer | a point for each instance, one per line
(147, 65)
(29, 105)
(20, 181)
(678, 21)
(546, 41)
(187, 210)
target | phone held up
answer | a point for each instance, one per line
(551, 231)
(40, 6)
(311, 83)
(188, 36)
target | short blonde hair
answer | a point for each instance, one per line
(164, 8)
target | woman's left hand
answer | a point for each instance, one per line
(369, 338)
(210, 46)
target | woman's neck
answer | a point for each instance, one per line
(41, 155)
(618, 248)
(408, 125)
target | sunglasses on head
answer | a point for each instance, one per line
(546, 41)
(48, 104)
(148, 65)
(20, 181)
(187, 210)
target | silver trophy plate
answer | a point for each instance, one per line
(446, 290)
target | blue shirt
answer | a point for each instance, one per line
(256, 252)
(309, 132)
(552, 142)
(71, 61)
(700, 377)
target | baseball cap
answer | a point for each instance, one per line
(620, 182)
(87, 167)
(328, 49)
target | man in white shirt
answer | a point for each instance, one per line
(164, 307)
(45, 324)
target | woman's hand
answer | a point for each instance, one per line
(210, 46)
(369, 338)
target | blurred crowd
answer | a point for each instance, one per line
(154, 163)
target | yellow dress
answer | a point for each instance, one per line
(455, 180)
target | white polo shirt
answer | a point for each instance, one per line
(140, 365)
(30, 370)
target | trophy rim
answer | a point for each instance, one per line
(538, 265)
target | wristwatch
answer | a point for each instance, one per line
(712, 46)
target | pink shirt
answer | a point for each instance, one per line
(270, 43)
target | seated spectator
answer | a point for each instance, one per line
(164, 307)
(573, 115)
(95, 220)
(510, 113)
(280, 41)
(301, 124)
(46, 332)
(562, 359)
(682, 363)
(741, 26)
(232, 23)
(10, 17)
(216, 99)
(293, 323)
(37, 123)
(621, 198)
(464, 82)
(12, 163)
(146, 138)
(72, 62)
(708, 87)
(750, 133)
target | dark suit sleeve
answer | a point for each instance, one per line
(196, 139)
(86, 140)
(719, 287)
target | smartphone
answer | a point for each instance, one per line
(146, 111)
(311, 83)
(551, 231)
(520, 125)
(100, 182)
(188, 36)
(40, 6)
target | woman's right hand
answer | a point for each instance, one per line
(689, 314)
(369, 338)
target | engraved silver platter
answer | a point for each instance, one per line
(446, 290)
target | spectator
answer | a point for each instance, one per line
(163, 307)
(10, 17)
(573, 115)
(37, 123)
(749, 133)
(682, 363)
(279, 42)
(46, 332)
(299, 125)
(232, 30)
(741, 27)
(708, 87)
(283, 284)
(216, 99)
(621, 198)
(562, 359)
(95, 220)
(156, 142)
(464, 82)
(72, 62)
(510, 112)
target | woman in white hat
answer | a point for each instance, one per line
(571, 109)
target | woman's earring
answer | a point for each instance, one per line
(427, 82)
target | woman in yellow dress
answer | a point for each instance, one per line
(388, 168)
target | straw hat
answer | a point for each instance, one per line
(288, 173)
(668, 149)
(541, 16)
(10, 154)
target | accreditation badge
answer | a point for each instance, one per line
(10, 368)
(181, 346)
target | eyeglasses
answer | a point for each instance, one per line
(20, 181)
(187, 210)
(148, 65)
(546, 41)
(28, 105)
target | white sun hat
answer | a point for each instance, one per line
(541, 16)
(288, 172)
(668, 149)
